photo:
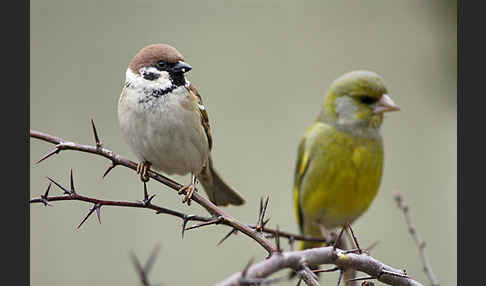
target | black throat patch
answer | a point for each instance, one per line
(153, 93)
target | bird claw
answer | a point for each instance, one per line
(142, 168)
(188, 190)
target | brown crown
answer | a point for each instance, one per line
(151, 54)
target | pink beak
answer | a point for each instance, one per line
(385, 104)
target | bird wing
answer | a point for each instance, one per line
(203, 114)
(302, 164)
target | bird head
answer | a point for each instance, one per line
(160, 64)
(357, 99)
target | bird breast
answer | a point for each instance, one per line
(164, 130)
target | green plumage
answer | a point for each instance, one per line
(340, 157)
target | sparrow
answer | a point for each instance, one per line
(163, 119)
(340, 157)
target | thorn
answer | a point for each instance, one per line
(66, 192)
(306, 268)
(111, 167)
(72, 183)
(44, 197)
(184, 223)
(354, 239)
(45, 202)
(151, 259)
(245, 270)
(261, 215)
(46, 194)
(338, 238)
(261, 208)
(340, 277)
(97, 139)
(260, 211)
(55, 151)
(233, 231)
(277, 240)
(150, 199)
(362, 278)
(139, 268)
(89, 213)
(326, 270)
(291, 242)
(98, 211)
(383, 271)
(146, 199)
(214, 221)
(265, 222)
(354, 250)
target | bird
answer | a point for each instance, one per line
(339, 162)
(163, 119)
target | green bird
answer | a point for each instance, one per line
(340, 157)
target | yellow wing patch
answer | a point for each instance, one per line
(303, 164)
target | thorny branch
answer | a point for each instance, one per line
(117, 160)
(70, 195)
(301, 260)
(418, 241)
(257, 274)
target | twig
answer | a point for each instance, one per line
(309, 277)
(62, 144)
(116, 159)
(418, 241)
(98, 203)
(296, 260)
(299, 261)
(143, 271)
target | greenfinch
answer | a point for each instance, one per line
(340, 157)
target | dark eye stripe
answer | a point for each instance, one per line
(368, 99)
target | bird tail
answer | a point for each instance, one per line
(311, 230)
(219, 192)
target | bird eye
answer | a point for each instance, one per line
(368, 99)
(161, 65)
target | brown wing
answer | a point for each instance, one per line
(204, 115)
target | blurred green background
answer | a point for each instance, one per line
(263, 68)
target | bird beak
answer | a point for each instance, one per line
(385, 104)
(181, 66)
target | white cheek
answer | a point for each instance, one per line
(345, 108)
(138, 81)
(164, 79)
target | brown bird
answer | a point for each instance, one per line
(164, 121)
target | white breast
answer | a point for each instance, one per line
(166, 131)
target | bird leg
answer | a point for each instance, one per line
(142, 168)
(189, 190)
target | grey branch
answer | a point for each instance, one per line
(299, 260)
(416, 238)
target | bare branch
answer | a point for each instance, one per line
(98, 203)
(297, 260)
(418, 241)
(143, 271)
(116, 159)
(259, 273)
